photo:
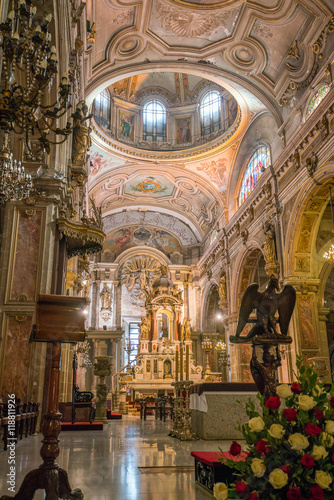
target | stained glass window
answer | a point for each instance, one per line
(256, 166)
(317, 98)
(102, 109)
(210, 112)
(154, 122)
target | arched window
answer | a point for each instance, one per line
(317, 98)
(154, 122)
(102, 109)
(210, 112)
(256, 166)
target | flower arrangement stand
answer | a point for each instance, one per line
(209, 470)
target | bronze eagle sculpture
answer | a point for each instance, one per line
(266, 303)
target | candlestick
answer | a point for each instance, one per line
(181, 362)
(187, 361)
(176, 365)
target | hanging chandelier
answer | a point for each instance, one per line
(330, 255)
(28, 66)
(15, 184)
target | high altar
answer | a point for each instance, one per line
(165, 348)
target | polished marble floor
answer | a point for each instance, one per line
(107, 464)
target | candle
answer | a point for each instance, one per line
(176, 365)
(187, 361)
(181, 362)
(48, 18)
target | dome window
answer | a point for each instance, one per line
(154, 122)
(257, 164)
(210, 113)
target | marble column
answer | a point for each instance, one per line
(95, 305)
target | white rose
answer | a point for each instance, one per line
(298, 441)
(278, 479)
(319, 452)
(276, 431)
(323, 479)
(329, 426)
(258, 467)
(284, 391)
(327, 440)
(306, 403)
(220, 491)
(256, 424)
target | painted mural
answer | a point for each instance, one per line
(216, 170)
(183, 130)
(126, 129)
(121, 239)
(98, 161)
(155, 186)
(232, 107)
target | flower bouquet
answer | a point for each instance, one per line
(291, 449)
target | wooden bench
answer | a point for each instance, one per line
(209, 470)
(26, 415)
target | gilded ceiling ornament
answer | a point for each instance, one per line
(293, 51)
(142, 271)
(190, 24)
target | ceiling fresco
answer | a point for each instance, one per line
(149, 185)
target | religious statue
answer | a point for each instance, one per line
(266, 304)
(81, 134)
(142, 277)
(144, 328)
(222, 292)
(264, 373)
(269, 248)
(186, 329)
(105, 297)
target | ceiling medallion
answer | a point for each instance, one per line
(129, 46)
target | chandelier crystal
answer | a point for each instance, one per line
(330, 254)
(28, 66)
(15, 184)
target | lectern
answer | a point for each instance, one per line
(57, 319)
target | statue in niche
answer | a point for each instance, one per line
(81, 134)
(186, 329)
(142, 277)
(106, 298)
(222, 291)
(144, 328)
(269, 248)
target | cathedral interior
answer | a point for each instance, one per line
(175, 152)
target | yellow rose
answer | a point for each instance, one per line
(323, 479)
(220, 491)
(278, 479)
(258, 467)
(319, 452)
(276, 431)
(306, 403)
(329, 426)
(327, 440)
(256, 424)
(284, 391)
(298, 442)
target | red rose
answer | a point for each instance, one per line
(295, 387)
(312, 430)
(286, 469)
(273, 403)
(307, 461)
(316, 493)
(294, 493)
(290, 414)
(319, 415)
(235, 449)
(332, 401)
(241, 487)
(333, 459)
(261, 445)
(253, 496)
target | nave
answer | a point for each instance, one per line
(106, 465)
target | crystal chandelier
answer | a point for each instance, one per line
(28, 65)
(330, 255)
(83, 348)
(15, 184)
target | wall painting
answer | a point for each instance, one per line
(308, 334)
(126, 128)
(183, 130)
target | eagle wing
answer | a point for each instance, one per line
(249, 302)
(286, 304)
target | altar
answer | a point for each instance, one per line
(217, 408)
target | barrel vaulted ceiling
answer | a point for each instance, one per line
(253, 49)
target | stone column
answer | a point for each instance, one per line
(95, 305)
(101, 369)
(118, 305)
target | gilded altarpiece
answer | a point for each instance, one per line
(16, 367)
(23, 286)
